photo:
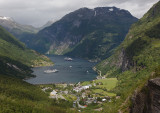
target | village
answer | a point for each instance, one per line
(84, 95)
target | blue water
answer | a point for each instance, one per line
(81, 70)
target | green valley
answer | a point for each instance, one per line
(127, 52)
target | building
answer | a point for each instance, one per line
(103, 100)
(53, 93)
(80, 88)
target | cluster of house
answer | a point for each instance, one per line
(87, 100)
(80, 88)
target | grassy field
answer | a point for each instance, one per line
(86, 83)
(70, 97)
(103, 86)
(103, 93)
(108, 83)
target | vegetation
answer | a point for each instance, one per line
(103, 87)
(108, 83)
(10, 47)
(103, 92)
(17, 96)
(135, 60)
(15, 58)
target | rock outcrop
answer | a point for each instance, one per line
(148, 100)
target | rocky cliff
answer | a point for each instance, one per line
(148, 100)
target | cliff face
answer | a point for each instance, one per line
(124, 63)
(154, 94)
(147, 101)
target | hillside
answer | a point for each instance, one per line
(86, 33)
(136, 59)
(15, 58)
(17, 96)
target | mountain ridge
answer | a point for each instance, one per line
(69, 32)
(20, 30)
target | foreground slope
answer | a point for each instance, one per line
(86, 33)
(136, 59)
(17, 96)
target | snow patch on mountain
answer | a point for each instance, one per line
(5, 18)
(111, 9)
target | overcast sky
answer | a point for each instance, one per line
(38, 12)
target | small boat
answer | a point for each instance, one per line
(68, 59)
(70, 66)
(51, 71)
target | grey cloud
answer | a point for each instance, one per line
(38, 12)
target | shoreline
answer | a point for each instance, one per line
(94, 68)
(68, 83)
(26, 78)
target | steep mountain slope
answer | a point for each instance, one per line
(136, 59)
(87, 33)
(17, 96)
(15, 28)
(15, 58)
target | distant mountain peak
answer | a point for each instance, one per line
(111, 9)
(6, 18)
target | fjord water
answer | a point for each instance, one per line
(69, 71)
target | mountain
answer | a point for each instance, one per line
(86, 33)
(135, 62)
(49, 23)
(15, 28)
(16, 59)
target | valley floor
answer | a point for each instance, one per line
(88, 96)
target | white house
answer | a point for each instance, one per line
(86, 87)
(78, 89)
(103, 100)
(53, 93)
